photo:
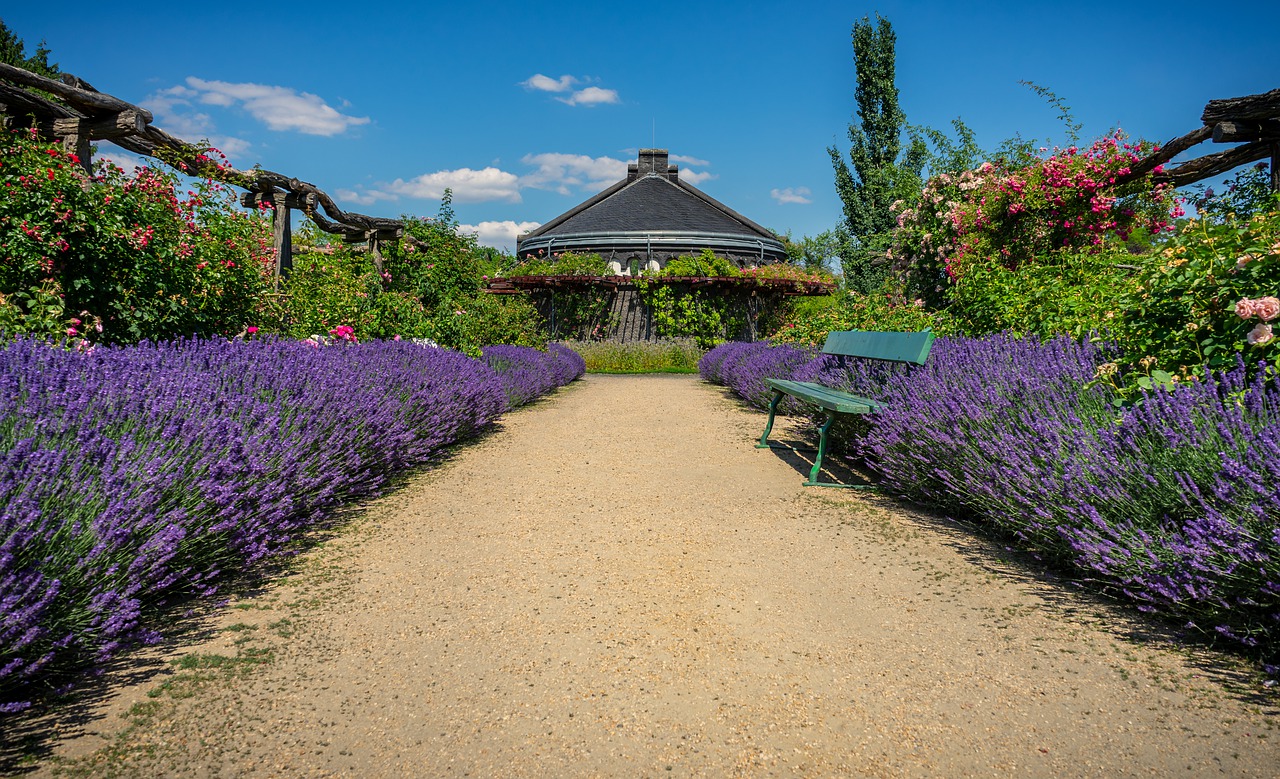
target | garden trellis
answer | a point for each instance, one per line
(72, 111)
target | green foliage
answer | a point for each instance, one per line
(1073, 293)
(853, 310)
(341, 287)
(443, 272)
(683, 313)
(38, 311)
(123, 251)
(814, 253)
(562, 264)
(1246, 193)
(484, 320)
(705, 263)
(880, 172)
(430, 288)
(874, 177)
(582, 313)
(13, 52)
(1186, 310)
(672, 356)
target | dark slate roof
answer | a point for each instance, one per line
(652, 203)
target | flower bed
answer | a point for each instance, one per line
(132, 478)
(528, 373)
(1173, 503)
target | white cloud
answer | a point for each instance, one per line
(564, 172)
(364, 197)
(176, 115)
(587, 96)
(591, 96)
(682, 159)
(469, 186)
(280, 108)
(547, 84)
(695, 176)
(500, 235)
(789, 195)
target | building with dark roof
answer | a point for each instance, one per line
(648, 218)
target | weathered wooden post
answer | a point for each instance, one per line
(76, 132)
(1275, 166)
(281, 225)
(375, 240)
(380, 239)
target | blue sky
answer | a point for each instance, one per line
(525, 110)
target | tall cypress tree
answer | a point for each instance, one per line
(874, 177)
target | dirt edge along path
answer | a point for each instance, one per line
(618, 584)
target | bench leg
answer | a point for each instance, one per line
(768, 427)
(822, 450)
(817, 461)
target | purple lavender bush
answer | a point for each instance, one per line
(743, 367)
(1173, 503)
(528, 373)
(134, 477)
(711, 364)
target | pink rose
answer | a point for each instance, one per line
(1244, 308)
(251, 329)
(1259, 335)
(1267, 308)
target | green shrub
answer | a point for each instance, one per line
(562, 264)
(849, 310)
(324, 291)
(1185, 310)
(705, 263)
(1071, 293)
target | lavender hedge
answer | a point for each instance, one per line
(528, 373)
(132, 478)
(1173, 503)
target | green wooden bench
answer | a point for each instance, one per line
(889, 347)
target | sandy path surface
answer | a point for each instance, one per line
(618, 584)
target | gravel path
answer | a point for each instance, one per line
(618, 584)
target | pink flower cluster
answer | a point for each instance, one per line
(1072, 199)
(344, 333)
(1266, 309)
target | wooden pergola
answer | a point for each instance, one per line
(70, 110)
(1253, 120)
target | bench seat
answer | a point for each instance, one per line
(910, 348)
(825, 397)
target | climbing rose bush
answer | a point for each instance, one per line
(122, 251)
(1070, 200)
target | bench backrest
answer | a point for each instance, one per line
(896, 347)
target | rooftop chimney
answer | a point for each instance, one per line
(652, 161)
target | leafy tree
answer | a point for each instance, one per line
(13, 52)
(879, 171)
(812, 252)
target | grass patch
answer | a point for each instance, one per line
(672, 356)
